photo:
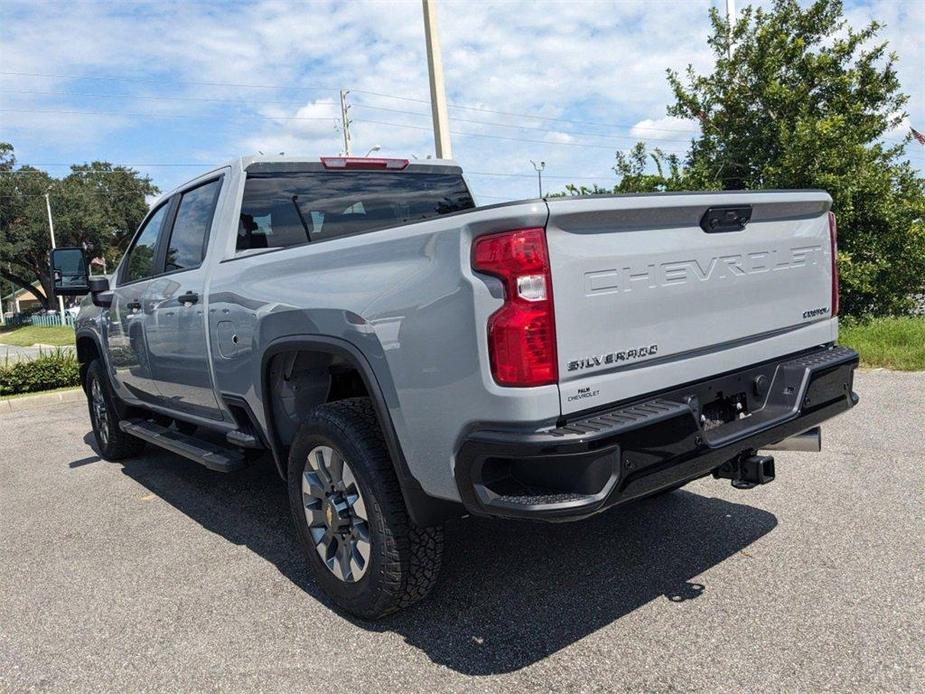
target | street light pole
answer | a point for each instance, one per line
(437, 90)
(51, 228)
(539, 174)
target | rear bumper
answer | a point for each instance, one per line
(633, 450)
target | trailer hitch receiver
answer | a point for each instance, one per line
(747, 470)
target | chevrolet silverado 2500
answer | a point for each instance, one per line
(404, 356)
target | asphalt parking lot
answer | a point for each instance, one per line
(157, 574)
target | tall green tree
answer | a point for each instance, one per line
(96, 206)
(798, 98)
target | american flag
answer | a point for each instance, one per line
(918, 136)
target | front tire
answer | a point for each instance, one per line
(111, 442)
(350, 515)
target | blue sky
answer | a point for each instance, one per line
(173, 88)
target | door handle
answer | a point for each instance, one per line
(133, 305)
(189, 298)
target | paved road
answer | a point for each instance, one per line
(160, 575)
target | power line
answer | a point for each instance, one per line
(586, 145)
(531, 127)
(371, 107)
(503, 113)
(123, 78)
(324, 118)
(317, 88)
(160, 97)
(333, 119)
(504, 137)
(290, 87)
(492, 174)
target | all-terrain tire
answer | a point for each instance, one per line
(404, 560)
(111, 442)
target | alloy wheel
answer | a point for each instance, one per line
(335, 511)
(100, 411)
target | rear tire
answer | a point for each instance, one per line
(111, 442)
(350, 515)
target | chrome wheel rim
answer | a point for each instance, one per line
(100, 413)
(336, 514)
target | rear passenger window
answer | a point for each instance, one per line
(140, 261)
(186, 248)
(285, 209)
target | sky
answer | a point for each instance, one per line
(173, 89)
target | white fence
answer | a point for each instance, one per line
(52, 319)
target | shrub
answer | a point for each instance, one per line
(57, 369)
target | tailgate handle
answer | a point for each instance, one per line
(726, 218)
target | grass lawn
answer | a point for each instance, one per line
(28, 335)
(893, 343)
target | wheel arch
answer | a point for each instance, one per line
(424, 509)
(88, 349)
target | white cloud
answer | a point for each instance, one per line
(556, 136)
(669, 128)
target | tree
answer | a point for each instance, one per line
(804, 100)
(632, 168)
(96, 206)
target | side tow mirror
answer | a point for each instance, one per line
(69, 272)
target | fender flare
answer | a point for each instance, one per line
(423, 509)
(91, 335)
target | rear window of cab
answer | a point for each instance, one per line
(290, 208)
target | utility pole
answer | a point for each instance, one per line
(437, 91)
(51, 228)
(539, 174)
(730, 20)
(344, 120)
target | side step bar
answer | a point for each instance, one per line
(210, 455)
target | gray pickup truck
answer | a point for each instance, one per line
(404, 356)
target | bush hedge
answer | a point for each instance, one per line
(57, 369)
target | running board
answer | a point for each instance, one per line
(210, 455)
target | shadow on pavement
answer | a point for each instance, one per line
(510, 593)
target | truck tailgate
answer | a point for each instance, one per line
(647, 298)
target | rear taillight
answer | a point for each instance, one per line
(522, 333)
(833, 238)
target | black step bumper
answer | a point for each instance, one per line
(633, 450)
